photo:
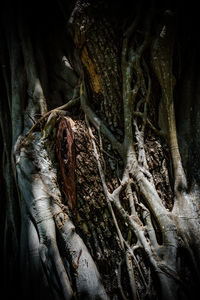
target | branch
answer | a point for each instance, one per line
(68, 105)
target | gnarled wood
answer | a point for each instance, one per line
(98, 201)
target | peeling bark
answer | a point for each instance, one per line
(66, 156)
(98, 201)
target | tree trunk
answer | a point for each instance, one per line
(100, 178)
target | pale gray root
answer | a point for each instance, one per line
(131, 275)
(161, 257)
(36, 101)
(33, 277)
(36, 176)
(162, 62)
(41, 205)
(121, 239)
(138, 229)
(38, 206)
(154, 202)
(186, 204)
(87, 278)
(145, 186)
(37, 179)
(188, 224)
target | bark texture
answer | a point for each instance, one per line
(100, 180)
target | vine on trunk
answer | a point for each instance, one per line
(112, 182)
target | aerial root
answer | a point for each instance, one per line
(119, 275)
(128, 253)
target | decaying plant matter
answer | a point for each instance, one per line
(99, 201)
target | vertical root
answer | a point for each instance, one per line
(162, 61)
(131, 276)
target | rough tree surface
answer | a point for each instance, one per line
(99, 150)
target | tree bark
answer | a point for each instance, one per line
(99, 138)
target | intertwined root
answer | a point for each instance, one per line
(154, 228)
(42, 198)
(137, 179)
